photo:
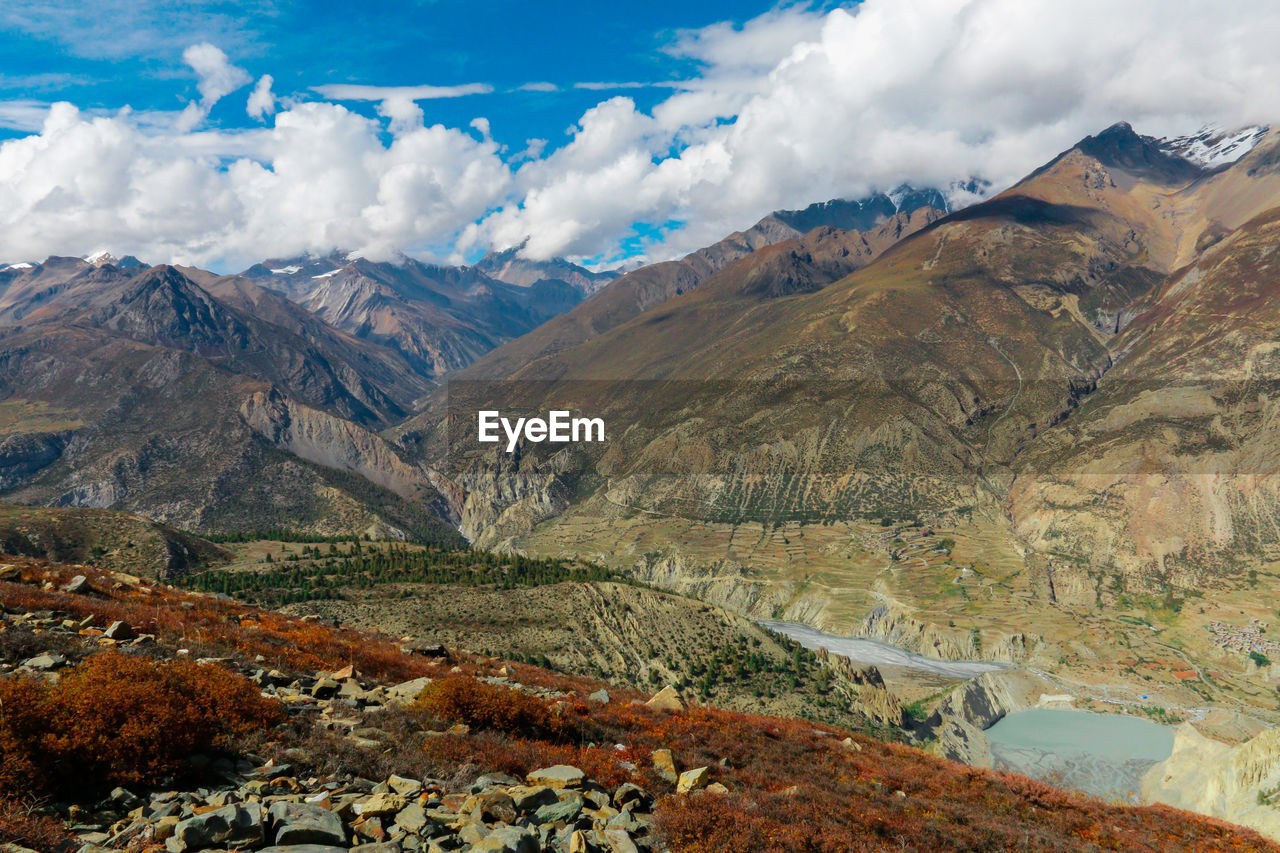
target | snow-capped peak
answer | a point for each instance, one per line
(1211, 146)
(22, 265)
(99, 258)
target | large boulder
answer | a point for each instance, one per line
(304, 823)
(666, 699)
(381, 805)
(406, 692)
(665, 763)
(78, 584)
(693, 780)
(557, 776)
(235, 827)
(46, 662)
(119, 631)
(509, 839)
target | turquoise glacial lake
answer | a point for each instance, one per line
(1101, 754)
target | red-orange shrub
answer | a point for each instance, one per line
(486, 706)
(20, 824)
(120, 720)
(712, 823)
(516, 755)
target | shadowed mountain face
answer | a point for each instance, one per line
(960, 378)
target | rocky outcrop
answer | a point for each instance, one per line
(723, 583)
(496, 501)
(865, 689)
(961, 741)
(24, 454)
(957, 723)
(1239, 783)
(985, 700)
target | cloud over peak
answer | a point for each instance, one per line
(792, 107)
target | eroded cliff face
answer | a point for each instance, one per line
(327, 440)
(898, 627)
(725, 583)
(497, 500)
(1235, 783)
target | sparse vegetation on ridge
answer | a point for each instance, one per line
(767, 784)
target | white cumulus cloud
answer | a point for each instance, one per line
(262, 102)
(796, 106)
(217, 79)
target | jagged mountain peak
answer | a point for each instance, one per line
(862, 214)
(510, 266)
(1122, 147)
(104, 258)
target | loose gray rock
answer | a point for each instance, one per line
(325, 688)
(508, 839)
(45, 662)
(78, 584)
(403, 785)
(412, 818)
(565, 810)
(631, 793)
(376, 847)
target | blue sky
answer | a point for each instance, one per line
(220, 134)
(131, 53)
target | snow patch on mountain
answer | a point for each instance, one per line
(289, 270)
(1211, 147)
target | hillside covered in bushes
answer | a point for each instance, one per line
(136, 716)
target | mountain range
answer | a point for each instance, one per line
(230, 402)
(1036, 433)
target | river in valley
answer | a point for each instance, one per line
(880, 654)
(1101, 754)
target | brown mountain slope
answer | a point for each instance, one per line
(896, 453)
(649, 286)
(1170, 472)
(109, 540)
(893, 389)
(144, 392)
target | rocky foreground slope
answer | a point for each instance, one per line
(297, 737)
